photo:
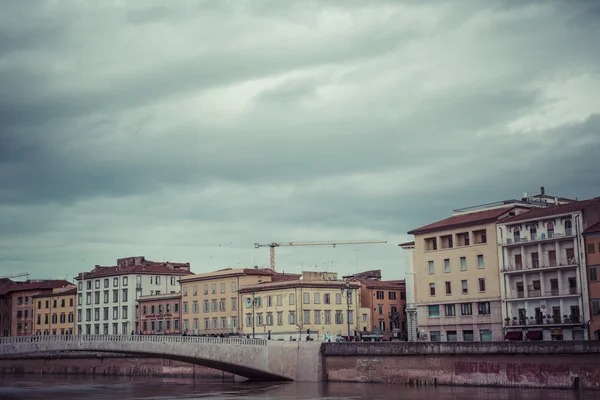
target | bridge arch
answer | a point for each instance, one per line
(244, 357)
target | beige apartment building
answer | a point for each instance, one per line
(55, 312)
(210, 303)
(457, 283)
(318, 305)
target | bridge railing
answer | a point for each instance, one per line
(131, 338)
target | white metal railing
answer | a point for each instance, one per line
(130, 338)
(535, 265)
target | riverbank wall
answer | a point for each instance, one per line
(524, 364)
(107, 365)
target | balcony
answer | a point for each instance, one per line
(537, 293)
(536, 266)
(544, 237)
(544, 320)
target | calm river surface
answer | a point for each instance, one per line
(85, 387)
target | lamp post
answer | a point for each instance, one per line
(253, 320)
(348, 290)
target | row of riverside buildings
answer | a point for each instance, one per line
(138, 296)
(513, 270)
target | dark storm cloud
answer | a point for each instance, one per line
(150, 127)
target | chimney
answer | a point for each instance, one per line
(543, 190)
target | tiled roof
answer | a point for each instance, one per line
(33, 285)
(295, 283)
(412, 243)
(69, 292)
(228, 272)
(568, 208)
(374, 284)
(456, 221)
(593, 229)
(148, 268)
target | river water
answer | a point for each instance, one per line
(13, 387)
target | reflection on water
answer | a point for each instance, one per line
(88, 388)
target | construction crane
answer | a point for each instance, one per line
(17, 275)
(328, 243)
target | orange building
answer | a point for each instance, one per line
(592, 253)
(18, 303)
(386, 302)
(55, 312)
(159, 314)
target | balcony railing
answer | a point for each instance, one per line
(535, 293)
(537, 265)
(546, 320)
(537, 237)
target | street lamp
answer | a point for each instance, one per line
(253, 320)
(348, 290)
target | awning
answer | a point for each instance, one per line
(534, 335)
(513, 335)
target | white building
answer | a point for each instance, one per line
(411, 308)
(106, 296)
(543, 273)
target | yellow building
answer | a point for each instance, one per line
(316, 302)
(210, 302)
(457, 279)
(55, 312)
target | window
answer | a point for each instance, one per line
(215, 323)
(279, 318)
(463, 263)
(463, 239)
(185, 308)
(434, 311)
(279, 300)
(124, 295)
(195, 290)
(158, 280)
(327, 298)
(88, 285)
(115, 296)
(222, 305)
(485, 335)
(380, 309)
(269, 319)
(484, 308)
(96, 299)
(595, 306)
(97, 283)
(106, 296)
(234, 323)
(480, 264)
(468, 336)
(317, 317)
(124, 281)
(176, 324)
(292, 299)
(206, 291)
(482, 284)
(431, 244)
(447, 265)
(292, 318)
(176, 307)
(591, 248)
(392, 295)
(233, 304)
(432, 289)
(306, 298)
(306, 316)
(431, 267)
(105, 313)
(206, 324)
(223, 321)
(233, 286)
(317, 298)
(380, 295)
(185, 290)
(448, 288)
(173, 282)
(213, 305)
(466, 309)
(115, 312)
(327, 317)
(593, 273)
(88, 299)
(259, 319)
(79, 297)
(338, 298)
(450, 310)
(214, 288)
(96, 315)
(116, 282)
(195, 307)
(446, 242)
(465, 287)
(124, 312)
(339, 317)
(480, 236)
(223, 287)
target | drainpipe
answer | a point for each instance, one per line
(503, 276)
(581, 260)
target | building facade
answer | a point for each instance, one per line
(411, 308)
(210, 302)
(592, 254)
(318, 306)
(5, 307)
(107, 296)
(159, 314)
(386, 302)
(543, 272)
(457, 283)
(18, 304)
(55, 312)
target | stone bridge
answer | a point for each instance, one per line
(254, 359)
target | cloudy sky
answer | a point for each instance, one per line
(188, 130)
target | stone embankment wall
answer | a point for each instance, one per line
(523, 364)
(108, 365)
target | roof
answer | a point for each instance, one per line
(164, 296)
(568, 208)
(228, 272)
(147, 268)
(69, 292)
(294, 284)
(375, 284)
(33, 285)
(407, 244)
(456, 221)
(593, 229)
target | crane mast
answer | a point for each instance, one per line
(273, 245)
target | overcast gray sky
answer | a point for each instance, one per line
(188, 130)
